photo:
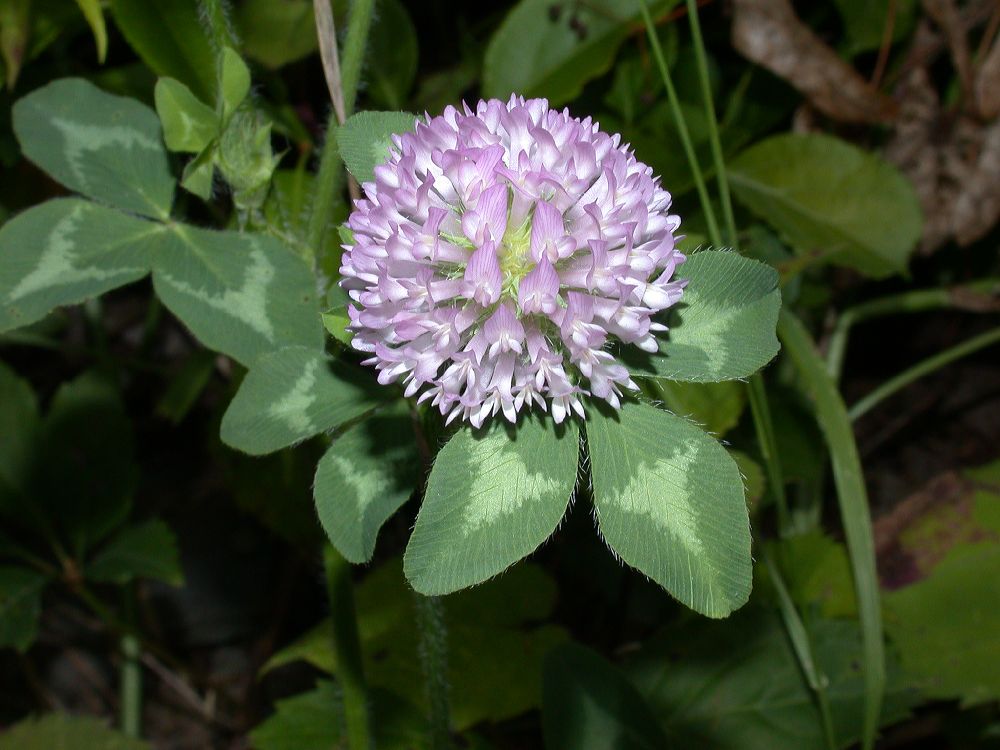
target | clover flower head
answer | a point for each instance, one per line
(499, 253)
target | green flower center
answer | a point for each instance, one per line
(514, 252)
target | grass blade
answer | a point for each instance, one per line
(924, 367)
(682, 129)
(853, 499)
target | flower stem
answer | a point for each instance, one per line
(347, 648)
(699, 181)
(927, 366)
(215, 19)
(701, 62)
(434, 659)
(330, 178)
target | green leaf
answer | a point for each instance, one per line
(146, 551)
(945, 619)
(240, 294)
(106, 147)
(365, 476)
(365, 139)
(168, 36)
(335, 321)
(293, 394)
(84, 471)
(669, 502)
(817, 573)
(314, 721)
(392, 55)
(189, 125)
(20, 606)
(307, 721)
(738, 685)
(487, 684)
(716, 407)
(276, 34)
(186, 385)
(199, 172)
(19, 429)
(865, 21)
(589, 705)
(58, 731)
(91, 10)
(723, 327)
(234, 82)
(852, 497)
(65, 251)
(552, 50)
(255, 481)
(826, 196)
(492, 498)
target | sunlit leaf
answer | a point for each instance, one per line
(365, 476)
(723, 327)
(240, 294)
(65, 251)
(670, 502)
(189, 125)
(493, 497)
(828, 197)
(234, 82)
(295, 393)
(106, 147)
(365, 139)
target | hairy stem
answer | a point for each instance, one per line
(130, 687)
(218, 28)
(434, 659)
(347, 648)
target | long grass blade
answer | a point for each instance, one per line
(853, 499)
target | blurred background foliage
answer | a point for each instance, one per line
(864, 146)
